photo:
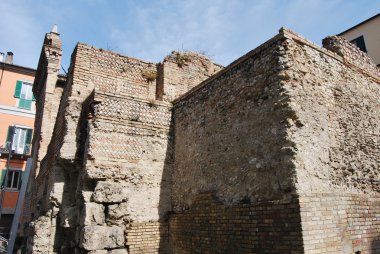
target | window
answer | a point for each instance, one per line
(13, 179)
(22, 138)
(359, 42)
(24, 93)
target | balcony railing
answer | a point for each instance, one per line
(3, 245)
(26, 150)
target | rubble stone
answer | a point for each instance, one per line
(276, 153)
(102, 237)
(92, 213)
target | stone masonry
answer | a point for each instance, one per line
(276, 153)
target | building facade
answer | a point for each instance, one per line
(366, 36)
(275, 153)
(17, 112)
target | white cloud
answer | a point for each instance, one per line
(149, 30)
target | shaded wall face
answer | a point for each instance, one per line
(231, 142)
(128, 151)
(263, 227)
(230, 135)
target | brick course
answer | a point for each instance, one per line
(276, 153)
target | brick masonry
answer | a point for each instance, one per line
(345, 223)
(209, 226)
(276, 153)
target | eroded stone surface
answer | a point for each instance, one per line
(110, 192)
(102, 237)
(92, 213)
(288, 127)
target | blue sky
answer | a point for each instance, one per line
(149, 30)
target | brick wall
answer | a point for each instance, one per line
(285, 139)
(315, 113)
(182, 71)
(149, 238)
(211, 227)
(345, 223)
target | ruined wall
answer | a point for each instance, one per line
(231, 141)
(230, 134)
(180, 72)
(276, 153)
(337, 110)
(335, 98)
(47, 89)
(104, 183)
(303, 120)
(129, 153)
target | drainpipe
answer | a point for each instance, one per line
(3, 67)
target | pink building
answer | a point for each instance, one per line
(17, 112)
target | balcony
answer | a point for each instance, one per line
(16, 153)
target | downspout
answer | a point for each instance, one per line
(2, 71)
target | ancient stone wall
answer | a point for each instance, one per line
(47, 89)
(230, 134)
(231, 141)
(276, 153)
(289, 117)
(351, 54)
(180, 72)
(336, 120)
(106, 173)
(128, 156)
(336, 131)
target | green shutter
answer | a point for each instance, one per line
(20, 180)
(18, 89)
(2, 179)
(9, 136)
(26, 104)
(28, 140)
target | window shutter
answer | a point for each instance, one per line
(21, 103)
(9, 136)
(24, 103)
(18, 88)
(28, 104)
(28, 140)
(361, 44)
(2, 179)
(20, 180)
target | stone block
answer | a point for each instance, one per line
(118, 251)
(98, 252)
(117, 212)
(92, 213)
(101, 237)
(110, 192)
